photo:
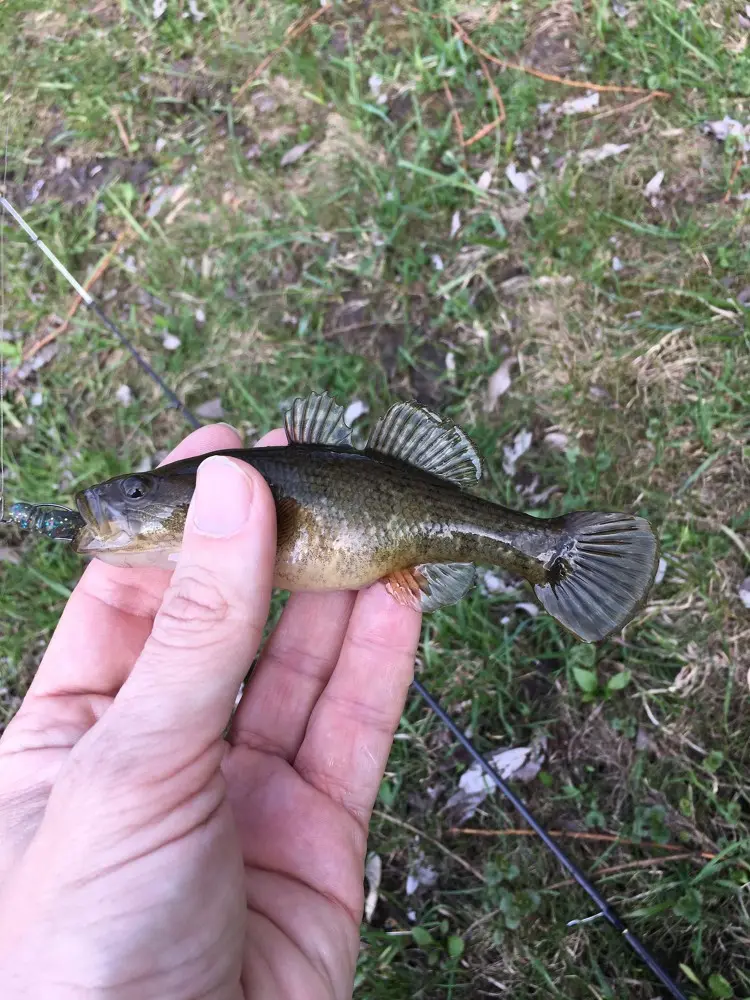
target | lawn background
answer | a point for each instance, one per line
(325, 228)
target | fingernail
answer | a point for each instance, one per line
(222, 499)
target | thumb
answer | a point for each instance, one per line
(208, 629)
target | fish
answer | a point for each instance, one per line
(400, 510)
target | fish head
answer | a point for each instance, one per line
(134, 520)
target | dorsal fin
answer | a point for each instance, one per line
(420, 437)
(317, 419)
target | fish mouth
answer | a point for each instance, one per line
(97, 529)
(89, 507)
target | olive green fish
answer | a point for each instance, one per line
(399, 511)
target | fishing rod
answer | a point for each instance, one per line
(605, 910)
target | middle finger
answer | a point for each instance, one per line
(292, 673)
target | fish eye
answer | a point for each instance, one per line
(134, 487)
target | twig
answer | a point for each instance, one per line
(292, 32)
(420, 833)
(488, 77)
(457, 123)
(620, 108)
(98, 271)
(483, 131)
(642, 863)
(121, 129)
(549, 77)
(733, 178)
(602, 88)
(608, 838)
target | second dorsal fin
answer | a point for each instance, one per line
(317, 419)
(416, 435)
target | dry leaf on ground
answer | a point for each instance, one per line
(499, 383)
(295, 153)
(604, 152)
(579, 105)
(511, 453)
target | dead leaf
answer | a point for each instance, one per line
(264, 102)
(521, 444)
(39, 360)
(484, 181)
(531, 609)
(197, 15)
(295, 153)
(515, 213)
(354, 411)
(744, 592)
(499, 383)
(522, 181)
(579, 105)
(171, 342)
(159, 7)
(373, 874)
(495, 584)
(514, 764)
(661, 571)
(654, 184)
(557, 440)
(602, 152)
(455, 223)
(727, 127)
(210, 410)
(124, 395)
(420, 874)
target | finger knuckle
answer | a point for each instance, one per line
(195, 605)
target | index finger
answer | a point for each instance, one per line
(111, 611)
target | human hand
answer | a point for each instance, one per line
(142, 855)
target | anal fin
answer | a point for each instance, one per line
(431, 585)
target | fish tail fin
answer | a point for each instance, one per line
(601, 573)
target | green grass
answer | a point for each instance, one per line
(322, 274)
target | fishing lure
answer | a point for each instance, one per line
(49, 519)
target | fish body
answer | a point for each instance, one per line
(344, 519)
(399, 511)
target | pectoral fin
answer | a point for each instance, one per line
(430, 586)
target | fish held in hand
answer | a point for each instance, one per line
(399, 510)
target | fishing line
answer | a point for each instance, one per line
(2, 327)
(91, 303)
(604, 909)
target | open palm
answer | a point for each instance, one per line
(143, 854)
